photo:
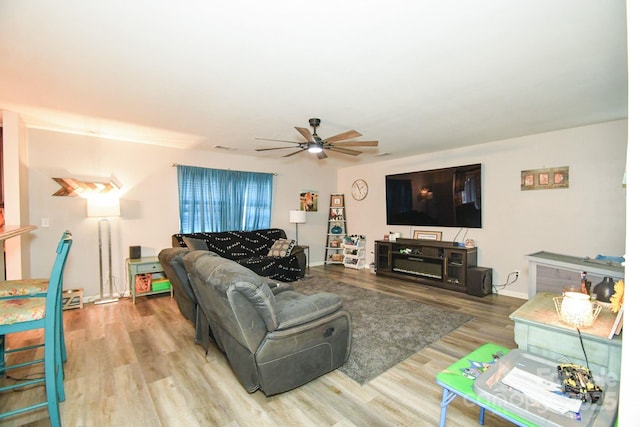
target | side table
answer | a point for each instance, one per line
(144, 265)
(306, 248)
(538, 330)
(454, 384)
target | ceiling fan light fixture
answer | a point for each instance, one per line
(315, 148)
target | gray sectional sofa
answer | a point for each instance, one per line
(275, 339)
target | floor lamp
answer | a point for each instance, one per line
(297, 217)
(104, 207)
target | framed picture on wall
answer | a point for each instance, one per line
(309, 201)
(545, 179)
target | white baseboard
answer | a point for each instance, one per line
(520, 295)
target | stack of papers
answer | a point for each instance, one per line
(541, 390)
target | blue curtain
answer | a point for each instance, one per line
(223, 200)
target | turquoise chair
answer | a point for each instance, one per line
(23, 288)
(20, 288)
(28, 313)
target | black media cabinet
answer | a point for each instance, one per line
(442, 264)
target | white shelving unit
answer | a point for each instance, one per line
(354, 252)
(336, 230)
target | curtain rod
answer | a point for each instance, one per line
(178, 164)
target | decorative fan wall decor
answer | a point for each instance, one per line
(319, 146)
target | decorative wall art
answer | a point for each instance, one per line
(73, 187)
(309, 201)
(545, 179)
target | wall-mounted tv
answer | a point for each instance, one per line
(448, 197)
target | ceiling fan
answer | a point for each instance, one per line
(316, 145)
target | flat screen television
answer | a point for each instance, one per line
(448, 197)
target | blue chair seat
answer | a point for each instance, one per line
(23, 287)
(19, 310)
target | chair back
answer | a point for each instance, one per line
(54, 293)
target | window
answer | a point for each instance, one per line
(223, 200)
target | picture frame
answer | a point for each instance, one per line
(528, 180)
(337, 200)
(617, 324)
(427, 235)
(544, 179)
(309, 201)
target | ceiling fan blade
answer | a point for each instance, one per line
(306, 133)
(342, 136)
(355, 144)
(321, 155)
(278, 140)
(276, 148)
(343, 150)
(294, 153)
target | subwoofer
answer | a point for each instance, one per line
(480, 281)
(134, 252)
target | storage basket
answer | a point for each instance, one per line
(143, 283)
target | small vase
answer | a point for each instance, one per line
(604, 290)
(336, 229)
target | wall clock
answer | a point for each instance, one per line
(359, 189)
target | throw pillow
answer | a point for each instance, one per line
(195, 244)
(281, 248)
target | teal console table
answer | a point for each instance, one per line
(538, 330)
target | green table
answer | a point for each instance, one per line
(454, 383)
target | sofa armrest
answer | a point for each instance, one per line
(305, 308)
(301, 256)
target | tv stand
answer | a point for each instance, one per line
(429, 262)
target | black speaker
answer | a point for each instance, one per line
(134, 252)
(480, 281)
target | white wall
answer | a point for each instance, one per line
(586, 219)
(149, 204)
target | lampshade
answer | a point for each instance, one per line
(297, 217)
(103, 206)
(576, 309)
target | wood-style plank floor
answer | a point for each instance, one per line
(137, 365)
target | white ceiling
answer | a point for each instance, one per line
(419, 76)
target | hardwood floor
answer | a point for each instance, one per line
(138, 365)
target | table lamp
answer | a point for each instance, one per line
(576, 309)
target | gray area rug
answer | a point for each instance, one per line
(385, 330)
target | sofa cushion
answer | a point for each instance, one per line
(281, 248)
(195, 244)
